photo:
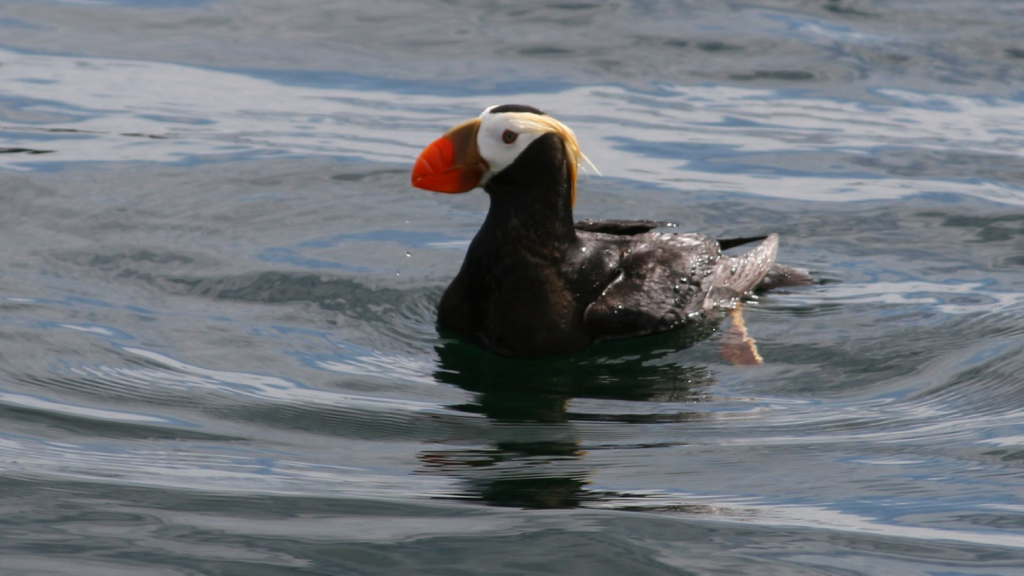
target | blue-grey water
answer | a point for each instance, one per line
(217, 291)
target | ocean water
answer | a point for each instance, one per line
(218, 291)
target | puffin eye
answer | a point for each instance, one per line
(509, 136)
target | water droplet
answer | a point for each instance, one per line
(584, 249)
(408, 255)
(732, 270)
(398, 273)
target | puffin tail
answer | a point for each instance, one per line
(737, 276)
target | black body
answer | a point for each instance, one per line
(534, 283)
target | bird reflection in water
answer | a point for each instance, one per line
(536, 459)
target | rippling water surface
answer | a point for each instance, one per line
(218, 290)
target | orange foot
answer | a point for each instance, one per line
(738, 347)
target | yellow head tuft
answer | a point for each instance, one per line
(576, 157)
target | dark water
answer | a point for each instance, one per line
(217, 291)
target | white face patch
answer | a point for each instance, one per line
(496, 130)
(503, 136)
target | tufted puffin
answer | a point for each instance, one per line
(535, 283)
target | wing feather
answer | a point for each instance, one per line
(623, 227)
(666, 280)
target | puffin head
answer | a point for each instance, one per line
(471, 153)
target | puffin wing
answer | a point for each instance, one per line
(726, 243)
(666, 280)
(621, 227)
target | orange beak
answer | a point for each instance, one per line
(452, 163)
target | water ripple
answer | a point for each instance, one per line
(218, 292)
(897, 142)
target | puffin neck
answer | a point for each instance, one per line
(533, 195)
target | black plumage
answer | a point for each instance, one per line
(535, 283)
